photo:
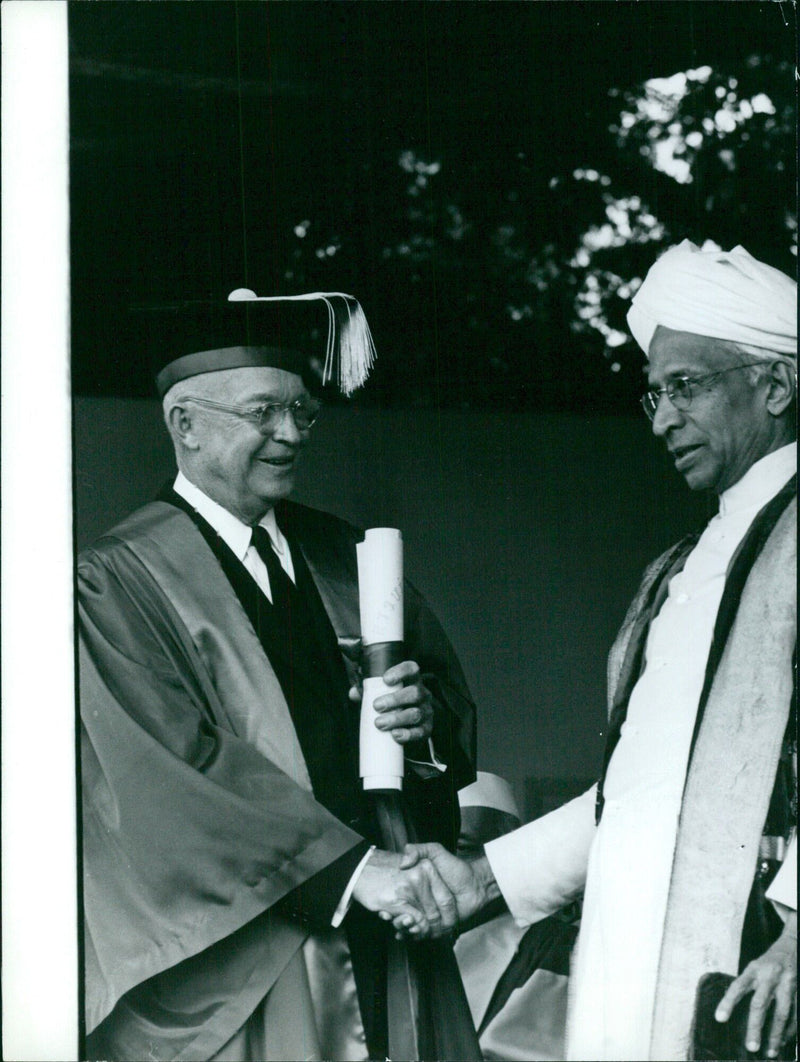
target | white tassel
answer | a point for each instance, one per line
(350, 350)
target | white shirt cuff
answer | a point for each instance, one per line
(347, 896)
(541, 867)
(783, 890)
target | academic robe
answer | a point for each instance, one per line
(739, 784)
(211, 869)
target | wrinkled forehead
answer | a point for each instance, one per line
(674, 353)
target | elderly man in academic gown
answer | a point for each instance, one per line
(682, 847)
(228, 845)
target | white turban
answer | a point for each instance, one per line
(720, 294)
(489, 791)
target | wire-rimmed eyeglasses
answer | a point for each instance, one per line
(269, 416)
(679, 390)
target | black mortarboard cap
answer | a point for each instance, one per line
(326, 330)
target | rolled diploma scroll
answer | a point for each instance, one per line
(380, 588)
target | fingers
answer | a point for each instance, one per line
(424, 888)
(783, 1019)
(410, 857)
(416, 888)
(755, 1020)
(408, 724)
(736, 989)
(442, 896)
(404, 923)
(410, 925)
(790, 1031)
(406, 712)
(407, 921)
(768, 978)
(427, 849)
(780, 986)
(435, 877)
(398, 675)
(401, 673)
(403, 697)
(404, 930)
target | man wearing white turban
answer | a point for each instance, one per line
(681, 848)
(722, 294)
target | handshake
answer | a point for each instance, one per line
(426, 891)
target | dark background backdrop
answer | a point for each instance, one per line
(491, 181)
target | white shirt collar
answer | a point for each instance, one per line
(230, 528)
(761, 481)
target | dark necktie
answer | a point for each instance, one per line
(281, 586)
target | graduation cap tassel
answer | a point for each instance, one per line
(350, 350)
(356, 347)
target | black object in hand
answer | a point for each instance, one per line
(724, 1040)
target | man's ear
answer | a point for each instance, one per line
(182, 426)
(782, 387)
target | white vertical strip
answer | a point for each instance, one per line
(39, 867)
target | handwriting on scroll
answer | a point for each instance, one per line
(390, 604)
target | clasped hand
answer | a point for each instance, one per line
(426, 891)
